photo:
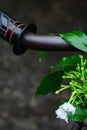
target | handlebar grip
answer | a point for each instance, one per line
(13, 31)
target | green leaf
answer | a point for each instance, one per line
(70, 62)
(41, 55)
(77, 39)
(50, 83)
(80, 114)
(54, 68)
(67, 64)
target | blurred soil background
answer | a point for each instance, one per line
(20, 75)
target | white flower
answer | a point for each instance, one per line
(67, 107)
(61, 114)
(63, 109)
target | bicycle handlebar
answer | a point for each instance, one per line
(24, 37)
(13, 31)
(45, 43)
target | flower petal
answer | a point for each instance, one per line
(67, 107)
(61, 114)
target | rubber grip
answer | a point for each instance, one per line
(13, 31)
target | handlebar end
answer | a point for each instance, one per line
(13, 31)
(17, 49)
